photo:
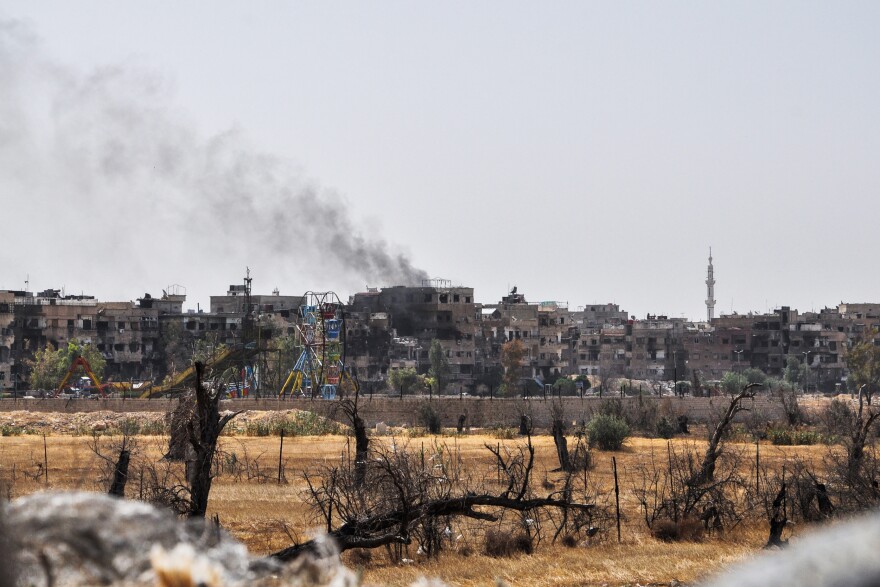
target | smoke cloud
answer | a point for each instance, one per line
(100, 168)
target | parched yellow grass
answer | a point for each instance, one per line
(268, 516)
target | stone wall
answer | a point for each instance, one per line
(396, 412)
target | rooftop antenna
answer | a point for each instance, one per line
(27, 281)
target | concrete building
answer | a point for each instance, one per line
(438, 311)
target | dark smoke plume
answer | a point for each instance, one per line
(104, 155)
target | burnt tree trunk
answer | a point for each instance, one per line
(179, 449)
(120, 474)
(361, 449)
(204, 429)
(778, 521)
(525, 425)
(561, 445)
(361, 441)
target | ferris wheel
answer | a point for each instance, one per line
(320, 369)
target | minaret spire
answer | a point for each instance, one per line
(710, 290)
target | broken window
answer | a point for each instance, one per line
(444, 298)
(455, 298)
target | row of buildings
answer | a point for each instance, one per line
(394, 327)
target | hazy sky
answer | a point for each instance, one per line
(585, 152)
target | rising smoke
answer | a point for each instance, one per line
(105, 155)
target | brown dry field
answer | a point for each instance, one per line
(266, 515)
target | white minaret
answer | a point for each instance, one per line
(710, 290)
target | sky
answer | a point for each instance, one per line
(586, 152)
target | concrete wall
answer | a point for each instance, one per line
(396, 412)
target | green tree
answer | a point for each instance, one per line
(50, 365)
(795, 371)
(732, 382)
(405, 380)
(863, 364)
(753, 375)
(512, 354)
(283, 354)
(564, 386)
(439, 371)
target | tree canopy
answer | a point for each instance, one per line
(863, 362)
(50, 365)
(512, 354)
(439, 371)
(405, 380)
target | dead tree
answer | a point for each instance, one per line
(858, 437)
(407, 496)
(778, 520)
(706, 473)
(559, 439)
(561, 445)
(115, 472)
(178, 425)
(204, 430)
(120, 473)
(361, 441)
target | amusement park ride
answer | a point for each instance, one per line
(320, 369)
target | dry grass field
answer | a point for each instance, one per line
(267, 515)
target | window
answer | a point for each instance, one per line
(427, 298)
(455, 298)
(467, 299)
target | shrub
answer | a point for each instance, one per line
(11, 430)
(837, 418)
(665, 428)
(504, 433)
(298, 424)
(360, 557)
(687, 530)
(429, 418)
(500, 543)
(607, 432)
(790, 437)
